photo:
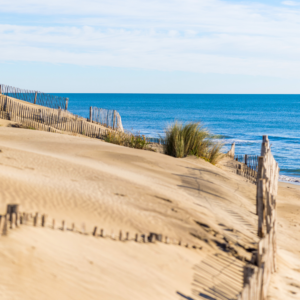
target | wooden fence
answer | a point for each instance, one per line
(246, 172)
(247, 168)
(230, 153)
(14, 219)
(251, 161)
(152, 140)
(258, 274)
(106, 117)
(34, 97)
(48, 119)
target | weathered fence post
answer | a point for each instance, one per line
(67, 102)
(152, 237)
(35, 219)
(4, 225)
(95, 231)
(136, 238)
(43, 220)
(248, 272)
(231, 152)
(12, 211)
(259, 176)
(91, 114)
(257, 281)
(114, 119)
(63, 225)
(246, 159)
(264, 145)
(261, 206)
(35, 96)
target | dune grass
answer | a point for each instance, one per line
(127, 139)
(192, 139)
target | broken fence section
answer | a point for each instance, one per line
(35, 97)
(14, 219)
(106, 117)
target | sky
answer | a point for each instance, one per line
(153, 46)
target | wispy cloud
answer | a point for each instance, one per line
(207, 36)
(291, 3)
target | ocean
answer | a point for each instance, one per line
(242, 119)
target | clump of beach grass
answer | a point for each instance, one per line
(191, 139)
(136, 141)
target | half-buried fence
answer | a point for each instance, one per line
(106, 117)
(35, 97)
(48, 119)
(257, 275)
(13, 219)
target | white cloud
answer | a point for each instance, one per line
(291, 3)
(187, 35)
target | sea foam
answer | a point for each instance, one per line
(289, 179)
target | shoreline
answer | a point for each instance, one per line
(293, 180)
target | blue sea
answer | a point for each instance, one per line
(243, 119)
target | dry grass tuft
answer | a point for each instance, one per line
(192, 139)
(127, 139)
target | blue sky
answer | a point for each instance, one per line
(154, 46)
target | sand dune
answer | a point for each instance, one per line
(84, 180)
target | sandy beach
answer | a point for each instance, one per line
(207, 208)
(149, 150)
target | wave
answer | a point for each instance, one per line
(289, 179)
(242, 142)
(283, 138)
(291, 172)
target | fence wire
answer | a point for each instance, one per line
(34, 97)
(251, 161)
(106, 117)
(47, 119)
